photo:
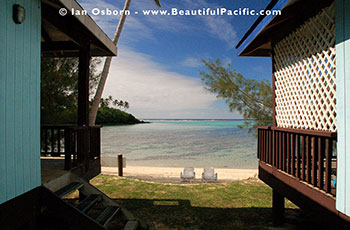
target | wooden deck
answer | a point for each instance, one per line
(300, 165)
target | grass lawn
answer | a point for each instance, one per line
(236, 205)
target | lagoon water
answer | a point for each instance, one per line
(182, 143)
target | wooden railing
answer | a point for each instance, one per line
(308, 155)
(78, 144)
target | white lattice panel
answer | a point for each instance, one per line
(305, 75)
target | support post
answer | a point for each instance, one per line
(83, 86)
(120, 165)
(277, 208)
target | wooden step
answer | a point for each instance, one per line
(131, 225)
(88, 202)
(107, 215)
(66, 190)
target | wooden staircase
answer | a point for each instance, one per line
(90, 204)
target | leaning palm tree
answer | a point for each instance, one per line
(107, 64)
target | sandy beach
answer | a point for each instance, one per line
(172, 174)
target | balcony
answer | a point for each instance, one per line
(70, 148)
(300, 165)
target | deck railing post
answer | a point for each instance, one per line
(273, 148)
(303, 153)
(283, 151)
(53, 142)
(86, 149)
(68, 149)
(264, 145)
(320, 172)
(98, 142)
(314, 161)
(258, 145)
(328, 165)
(45, 141)
(279, 143)
(309, 159)
(297, 153)
(292, 151)
(288, 153)
(59, 141)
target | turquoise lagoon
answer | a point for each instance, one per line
(182, 143)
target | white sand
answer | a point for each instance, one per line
(172, 174)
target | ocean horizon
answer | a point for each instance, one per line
(193, 119)
(182, 143)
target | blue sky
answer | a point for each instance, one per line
(158, 63)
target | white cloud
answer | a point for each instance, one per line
(136, 78)
(217, 26)
(192, 62)
(137, 27)
(154, 92)
(221, 29)
(151, 90)
(134, 29)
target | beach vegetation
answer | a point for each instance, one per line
(113, 116)
(59, 89)
(107, 115)
(250, 97)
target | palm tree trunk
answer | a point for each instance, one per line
(105, 71)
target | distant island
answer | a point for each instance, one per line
(113, 116)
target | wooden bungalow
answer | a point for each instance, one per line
(32, 190)
(304, 155)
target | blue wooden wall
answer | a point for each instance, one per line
(342, 21)
(19, 99)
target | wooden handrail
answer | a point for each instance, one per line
(310, 132)
(261, 127)
(68, 126)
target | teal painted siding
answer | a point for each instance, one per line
(343, 104)
(19, 99)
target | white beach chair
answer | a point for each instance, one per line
(188, 174)
(209, 175)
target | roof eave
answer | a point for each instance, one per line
(272, 29)
(91, 25)
(244, 46)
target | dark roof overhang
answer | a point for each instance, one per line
(65, 36)
(268, 30)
